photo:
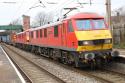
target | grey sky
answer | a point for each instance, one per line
(9, 12)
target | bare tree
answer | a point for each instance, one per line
(16, 22)
(42, 18)
(119, 26)
(118, 15)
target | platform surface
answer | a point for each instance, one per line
(8, 73)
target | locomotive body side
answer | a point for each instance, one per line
(80, 39)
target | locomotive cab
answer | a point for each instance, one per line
(94, 40)
(93, 34)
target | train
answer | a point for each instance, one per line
(83, 39)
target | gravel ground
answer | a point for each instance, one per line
(119, 67)
(59, 71)
(75, 77)
(110, 76)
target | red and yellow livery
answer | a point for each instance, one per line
(83, 38)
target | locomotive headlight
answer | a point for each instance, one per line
(81, 43)
(108, 41)
(86, 42)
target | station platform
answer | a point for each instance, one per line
(8, 71)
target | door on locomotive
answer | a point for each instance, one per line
(27, 37)
(63, 34)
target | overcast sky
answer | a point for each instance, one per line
(11, 11)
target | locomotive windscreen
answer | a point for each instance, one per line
(90, 24)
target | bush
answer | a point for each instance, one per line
(121, 46)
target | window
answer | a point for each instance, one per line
(45, 32)
(70, 28)
(22, 35)
(18, 36)
(87, 24)
(41, 34)
(99, 24)
(37, 33)
(32, 34)
(56, 31)
(83, 24)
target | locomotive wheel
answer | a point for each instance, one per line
(64, 58)
(75, 59)
(99, 63)
(51, 53)
(54, 54)
(32, 49)
(70, 59)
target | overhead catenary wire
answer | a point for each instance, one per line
(27, 9)
(80, 3)
(41, 3)
(60, 7)
(6, 2)
(57, 8)
(18, 10)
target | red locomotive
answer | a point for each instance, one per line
(83, 38)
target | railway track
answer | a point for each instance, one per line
(30, 65)
(103, 76)
(120, 60)
(25, 76)
(112, 76)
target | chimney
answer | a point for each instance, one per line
(26, 22)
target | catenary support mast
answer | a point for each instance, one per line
(108, 13)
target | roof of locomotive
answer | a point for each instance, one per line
(24, 31)
(47, 25)
(85, 15)
(44, 26)
(20, 33)
(76, 16)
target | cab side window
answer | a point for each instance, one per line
(32, 34)
(45, 32)
(37, 33)
(41, 33)
(70, 27)
(56, 31)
